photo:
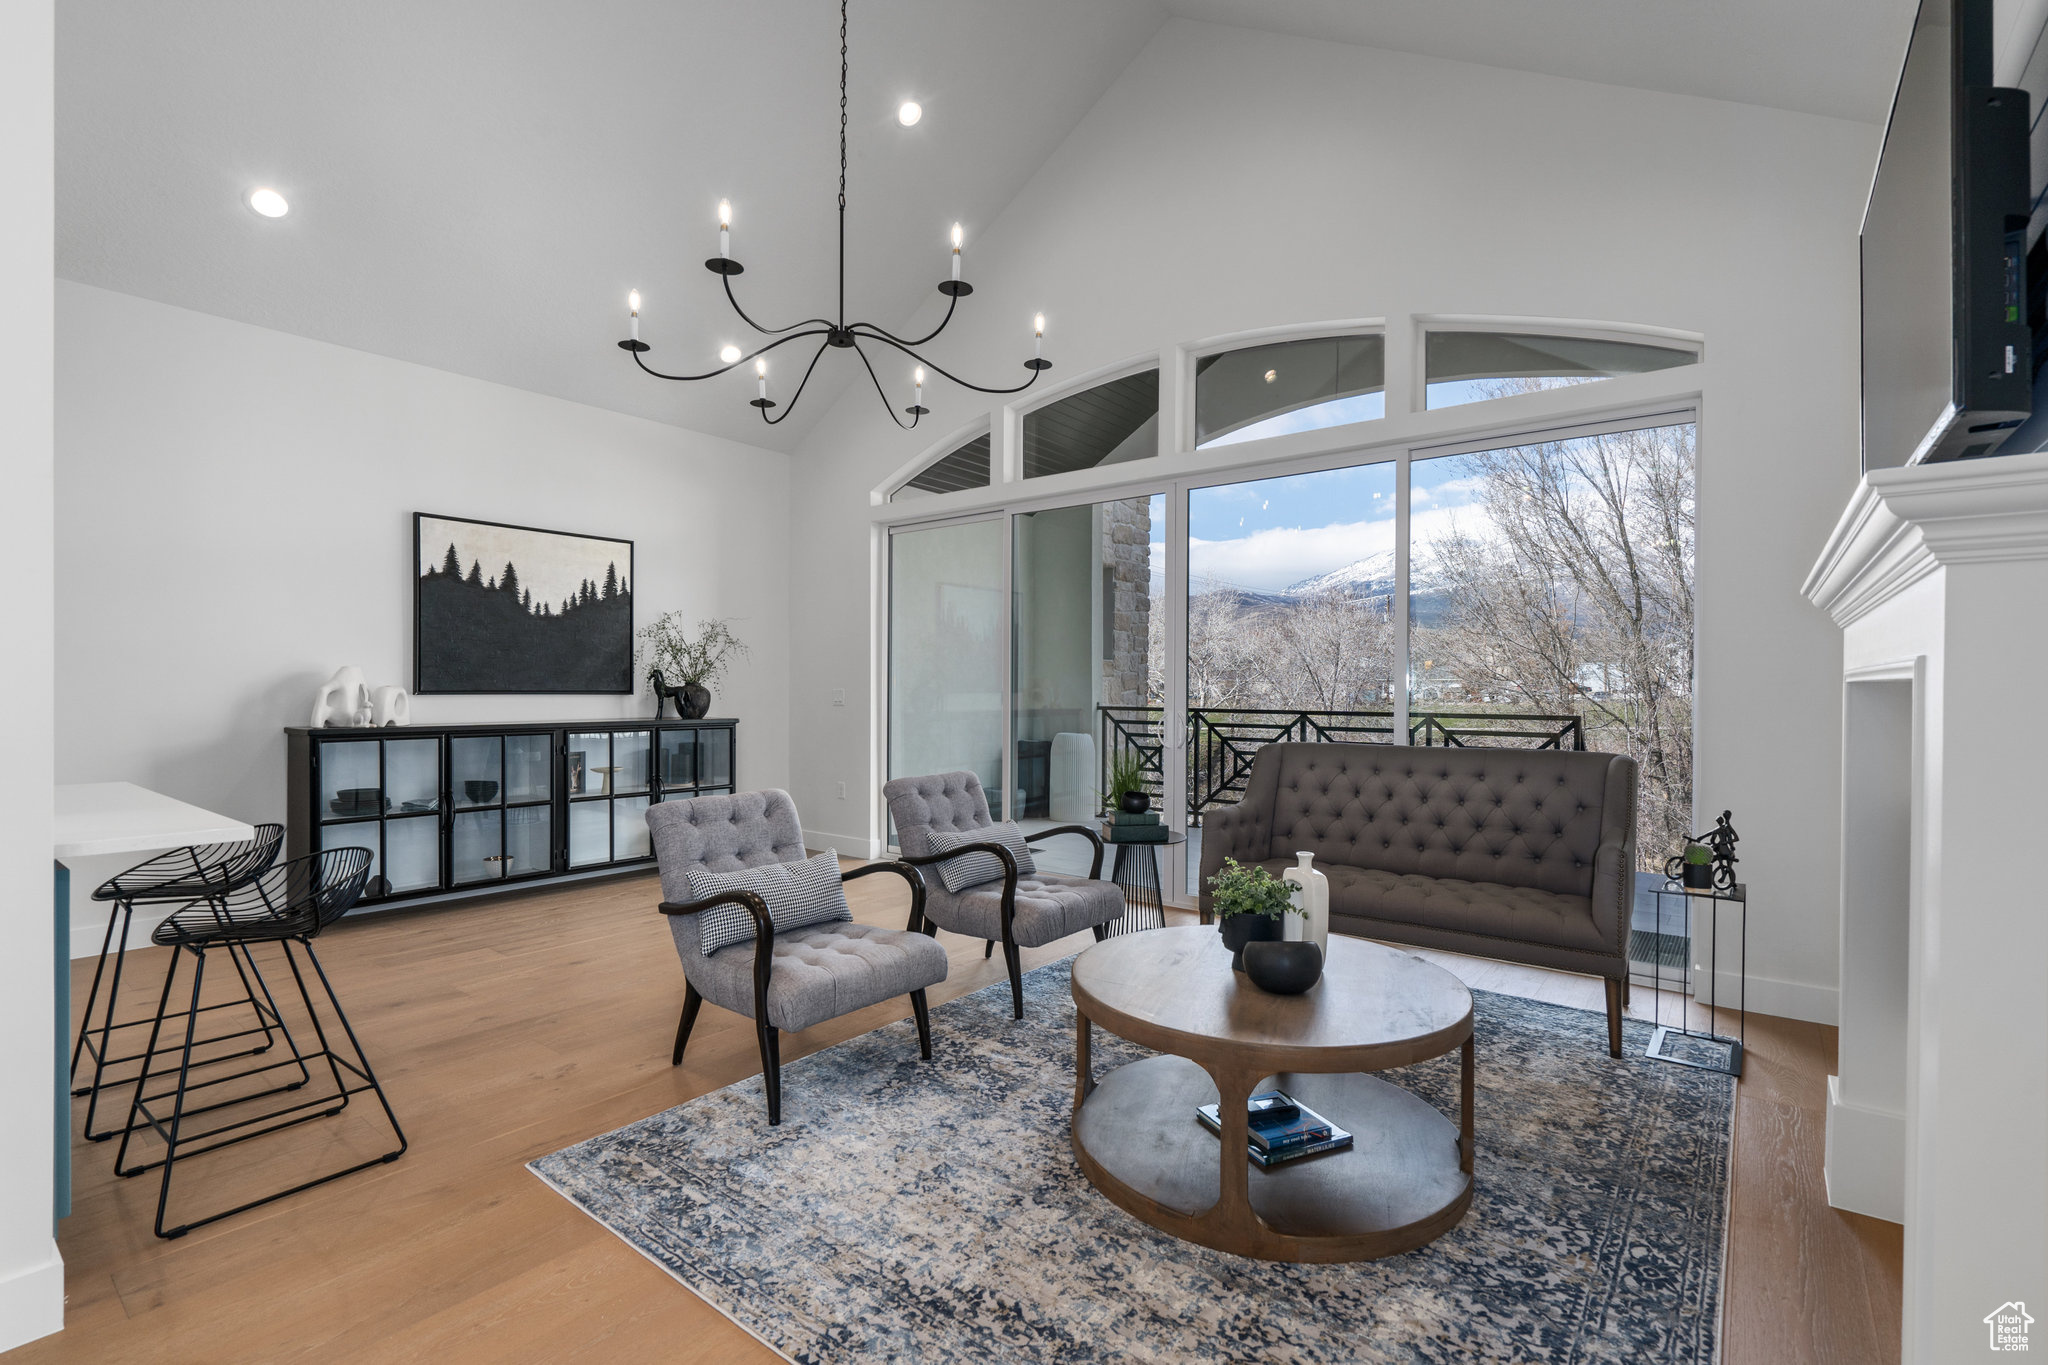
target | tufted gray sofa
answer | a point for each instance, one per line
(1516, 854)
(1020, 911)
(791, 980)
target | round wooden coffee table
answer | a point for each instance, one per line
(1407, 1178)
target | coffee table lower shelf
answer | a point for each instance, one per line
(1399, 1186)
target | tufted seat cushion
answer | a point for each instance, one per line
(817, 973)
(1512, 912)
(1049, 906)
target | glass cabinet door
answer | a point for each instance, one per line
(412, 776)
(632, 751)
(476, 770)
(714, 758)
(527, 769)
(351, 784)
(412, 853)
(529, 840)
(678, 759)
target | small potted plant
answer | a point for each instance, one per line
(1249, 902)
(1698, 870)
(683, 669)
(1127, 783)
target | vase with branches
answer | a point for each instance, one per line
(682, 667)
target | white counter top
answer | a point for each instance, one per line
(99, 818)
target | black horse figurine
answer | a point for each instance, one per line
(692, 699)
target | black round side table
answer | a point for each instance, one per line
(1137, 871)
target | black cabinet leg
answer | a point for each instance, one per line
(924, 1024)
(988, 950)
(692, 1002)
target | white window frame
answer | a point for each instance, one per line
(1625, 402)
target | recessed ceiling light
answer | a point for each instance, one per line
(730, 355)
(910, 113)
(269, 203)
(1272, 375)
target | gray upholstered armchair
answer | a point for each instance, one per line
(1019, 910)
(794, 978)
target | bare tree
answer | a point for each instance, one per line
(1580, 599)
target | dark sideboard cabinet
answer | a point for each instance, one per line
(445, 808)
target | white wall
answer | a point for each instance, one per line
(31, 1272)
(1233, 180)
(234, 521)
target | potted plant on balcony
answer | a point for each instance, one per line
(1249, 903)
(1127, 783)
(683, 669)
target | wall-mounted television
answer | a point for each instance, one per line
(1948, 356)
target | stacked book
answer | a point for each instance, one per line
(1279, 1129)
(1126, 828)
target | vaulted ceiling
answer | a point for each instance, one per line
(475, 184)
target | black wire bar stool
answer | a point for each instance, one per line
(179, 876)
(290, 904)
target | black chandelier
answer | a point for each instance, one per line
(843, 334)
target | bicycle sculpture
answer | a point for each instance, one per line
(1708, 862)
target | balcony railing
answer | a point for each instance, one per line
(1222, 743)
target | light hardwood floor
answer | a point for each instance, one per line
(508, 1028)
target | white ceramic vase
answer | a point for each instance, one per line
(1312, 894)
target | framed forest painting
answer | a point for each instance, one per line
(501, 608)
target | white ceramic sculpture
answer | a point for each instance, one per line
(390, 705)
(342, 699)
(1313, 896)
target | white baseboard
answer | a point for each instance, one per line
(1786, 999)
(849, 845)
(1865, 1166)
(32, 1301)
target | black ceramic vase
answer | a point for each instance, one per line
(1283, 968)
(1136, 802)
(1698, 876)
(1238, 930)
(694, 702)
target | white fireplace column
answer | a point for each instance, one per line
(1938, 1116)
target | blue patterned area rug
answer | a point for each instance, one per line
(933, 1212)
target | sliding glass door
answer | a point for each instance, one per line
(946, 653)
(1291, 623)
(1087, 658)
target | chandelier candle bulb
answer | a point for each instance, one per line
(633, 308)
(1038, 338)
(725, 229)
(761, 373)
(918, 381)
(957, 236)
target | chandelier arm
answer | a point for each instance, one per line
(978, 388)
(797, 397)
(713, 374)
(879, 393)
(883, 334)
(767, 331)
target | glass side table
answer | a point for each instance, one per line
(1137, 871)
(1682, 1044)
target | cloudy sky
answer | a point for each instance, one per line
(1269, 534)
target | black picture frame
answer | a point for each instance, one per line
(470, 639)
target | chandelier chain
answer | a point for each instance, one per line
(830, 333)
